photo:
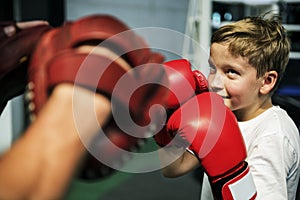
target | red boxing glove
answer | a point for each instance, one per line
(201, 82)
(183, 85)
(212, 133)
(183, 82)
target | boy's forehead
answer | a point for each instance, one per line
(221, 56)
(218, 50)
(224, 50)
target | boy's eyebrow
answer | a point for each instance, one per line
(211, 63)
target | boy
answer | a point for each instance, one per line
(247, 61)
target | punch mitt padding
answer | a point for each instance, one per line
(15, 53)
(97, 52)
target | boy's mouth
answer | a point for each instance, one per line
(225, 97)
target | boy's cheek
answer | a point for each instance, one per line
(232, 103)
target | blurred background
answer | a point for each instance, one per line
(193, 21)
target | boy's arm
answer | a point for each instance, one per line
(177, 161)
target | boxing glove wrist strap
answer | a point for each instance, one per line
(235, 186)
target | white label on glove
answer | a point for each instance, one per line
(244, 188)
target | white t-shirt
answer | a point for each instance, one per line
(273, 146)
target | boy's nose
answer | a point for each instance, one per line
(215, 82)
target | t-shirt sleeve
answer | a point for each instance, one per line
(268, 161)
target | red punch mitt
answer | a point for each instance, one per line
(15, 53)
(101, 53)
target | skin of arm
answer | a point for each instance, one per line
(41, 164)
(183, 163)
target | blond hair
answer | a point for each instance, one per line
(262, 40)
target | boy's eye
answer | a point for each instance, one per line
(232, 72)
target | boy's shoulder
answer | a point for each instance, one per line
(274, 121)
(281, 117)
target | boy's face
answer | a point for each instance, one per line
(235, 80)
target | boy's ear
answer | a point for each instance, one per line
(268, 82)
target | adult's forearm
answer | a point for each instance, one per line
(41, 164)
